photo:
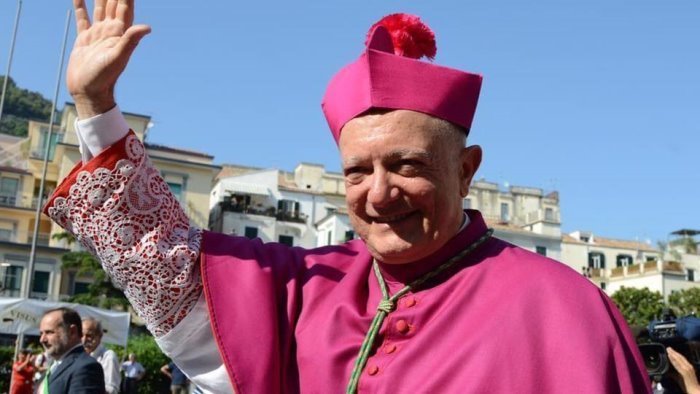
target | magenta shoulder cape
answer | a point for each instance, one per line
(504, 320)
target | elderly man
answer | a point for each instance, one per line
(425, 301)
(92, 342)
(73, 370)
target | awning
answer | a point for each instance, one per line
(246, 188)
(19, 315)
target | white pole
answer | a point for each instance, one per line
(9, 59)
(26, 289)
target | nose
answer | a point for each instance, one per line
(382, 190)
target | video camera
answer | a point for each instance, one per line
(681, 334)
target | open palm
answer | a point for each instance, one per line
(101, 52)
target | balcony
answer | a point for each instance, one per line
(257, 208)
(542, 215)
(19, 200)
(285, 216)
(25, 237)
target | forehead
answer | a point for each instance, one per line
(50, 321)
(394, 130)
(89, 325)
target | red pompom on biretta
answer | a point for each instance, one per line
(410, 36)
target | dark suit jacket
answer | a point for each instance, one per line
(78, 373)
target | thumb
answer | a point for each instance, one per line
(131, 38)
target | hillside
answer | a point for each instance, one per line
(20, 106)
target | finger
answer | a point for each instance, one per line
(125, 12)
(131, 39)
(98, 13)
(82, 21)
(111, 9)
(679, 362)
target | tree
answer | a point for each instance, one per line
(685, 302)
(20, 106)
(151, 357)
(101, 292)
(638, 306)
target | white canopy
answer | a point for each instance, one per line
(18, 315)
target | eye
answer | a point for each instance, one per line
(356, 174)
(409, 167)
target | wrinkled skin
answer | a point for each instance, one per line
(405, 179)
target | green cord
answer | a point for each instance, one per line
(388, 304)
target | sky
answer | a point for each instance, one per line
(596, 99)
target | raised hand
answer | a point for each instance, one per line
(101, 52)
(685, 369)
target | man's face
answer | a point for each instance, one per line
(405, 181)
(91, 336)
(54, 337)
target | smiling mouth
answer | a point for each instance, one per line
(393, 218)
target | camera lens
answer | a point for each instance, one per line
(655, 358)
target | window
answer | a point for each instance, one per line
(5, 234)
(55, 139)
(541, 250)
(596, 260)
(286, 240)
(251, 232)
(549, 214)
(40, 284)
(288, 206)
(81, 288)
(650, 258)
(584, 239)
(624, 260)
(504, 212)
(176, 189)
(12, 282)
(467, 203)
(8, 191)
(330, 238)
(349, 235)
(691, 275)
(602, 286)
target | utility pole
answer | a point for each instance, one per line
(27, 283)
(9, 59)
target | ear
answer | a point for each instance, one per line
(73, 331)
(470, 159)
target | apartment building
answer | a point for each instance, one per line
(274, 205)
(524, 216)
(189, 175)
(307, 208)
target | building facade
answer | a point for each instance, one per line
(189, 174)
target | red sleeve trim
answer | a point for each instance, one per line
(108, 158)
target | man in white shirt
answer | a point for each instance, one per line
(92, 342)
(133, 373)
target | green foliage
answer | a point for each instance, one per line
(101, 292)
(20, 106)
(7, 354)
(685, 302)
(638, 306)
(149, 355)
(686, 244)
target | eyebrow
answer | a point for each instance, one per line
(393, 155)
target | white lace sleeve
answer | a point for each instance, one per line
(125, 214)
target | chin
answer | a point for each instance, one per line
(400, 252)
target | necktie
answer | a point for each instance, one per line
(45, 383)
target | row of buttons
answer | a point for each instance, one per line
(402, 327)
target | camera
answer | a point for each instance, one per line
(681, 334)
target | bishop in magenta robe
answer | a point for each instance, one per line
(479, 316)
